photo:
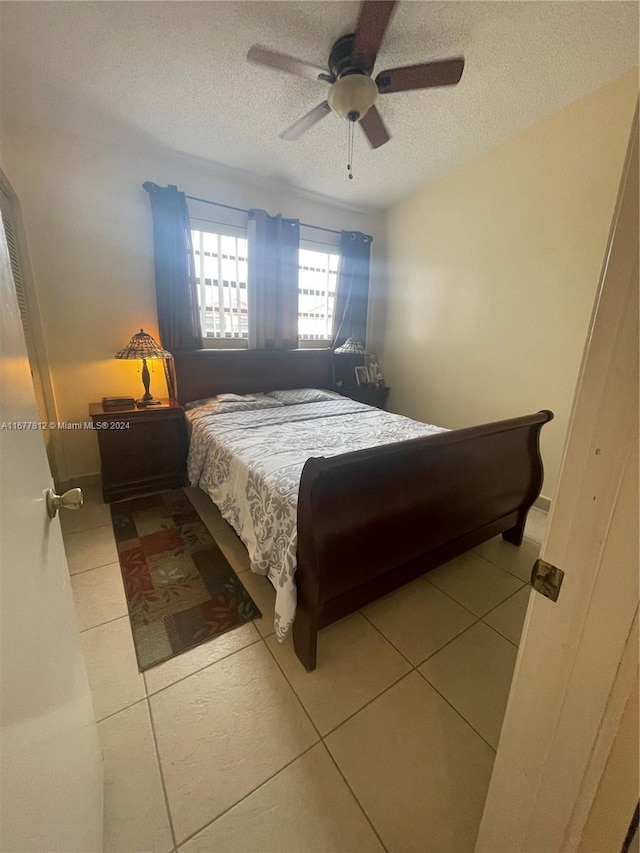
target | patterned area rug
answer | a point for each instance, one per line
(180, 588)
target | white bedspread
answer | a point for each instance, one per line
(250, 462)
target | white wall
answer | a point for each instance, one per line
(494, 268)
(89, 230)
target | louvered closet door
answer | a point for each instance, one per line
(26, 313)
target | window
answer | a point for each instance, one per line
(317, 275)
(221, 277)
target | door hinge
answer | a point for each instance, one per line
(547, 579)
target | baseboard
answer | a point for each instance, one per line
(80, 482)
(543, 503)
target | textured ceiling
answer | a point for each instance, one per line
(176, 72)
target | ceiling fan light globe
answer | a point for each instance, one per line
(353, 93)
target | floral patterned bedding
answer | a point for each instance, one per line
(250, 462)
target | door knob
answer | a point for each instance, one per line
(72, 499)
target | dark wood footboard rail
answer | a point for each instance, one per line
(372, 520)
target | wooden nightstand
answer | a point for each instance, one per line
(372, 395)
(141, 450)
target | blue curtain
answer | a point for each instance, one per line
(352, 291)
(272, 281)
(176, 290)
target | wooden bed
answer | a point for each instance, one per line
(373, 520)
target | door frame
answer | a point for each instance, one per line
(577, 660)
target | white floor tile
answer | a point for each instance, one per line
(418, 770)
(306, 808)
(180, 666)
(355, 664)
(474, 582)
(223, 732)
(474, 674)
(518, 560)
(418, 619)
(87, 549)
(98, 596)
(135, 813)
(112, 667)
(227, 720)
(508, 618)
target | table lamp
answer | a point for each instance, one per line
(142, 346)
(347, 357)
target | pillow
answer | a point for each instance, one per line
(302, 395)
(219, 406)
(223, 398)
(236, 398)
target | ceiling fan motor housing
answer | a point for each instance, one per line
(342, 60)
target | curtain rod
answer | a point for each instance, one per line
(149, 185)
(242, 210)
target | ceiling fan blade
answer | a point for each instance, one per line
(289, 64)
(373, 21)
(374, 128)
(424, 76)
(306, 122)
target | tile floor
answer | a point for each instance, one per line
(232, 746)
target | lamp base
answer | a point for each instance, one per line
(142, 403)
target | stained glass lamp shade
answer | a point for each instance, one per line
(352, 346)
(142, 346)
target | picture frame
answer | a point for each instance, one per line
(362, 375)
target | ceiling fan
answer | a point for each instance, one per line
(353, 93)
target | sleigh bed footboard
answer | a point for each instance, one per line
(373, 520)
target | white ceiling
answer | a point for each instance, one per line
(176, 71)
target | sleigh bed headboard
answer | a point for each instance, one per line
(207, 372)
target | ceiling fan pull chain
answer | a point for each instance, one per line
(350, 163)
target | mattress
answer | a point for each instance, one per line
(250, 461)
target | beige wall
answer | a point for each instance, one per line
(88, 226)
(494, 268)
